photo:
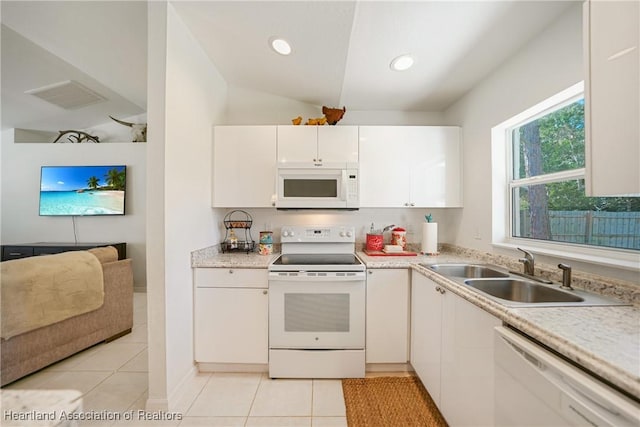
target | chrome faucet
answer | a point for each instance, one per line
(529, 268)
(528, 262)
(566, 276)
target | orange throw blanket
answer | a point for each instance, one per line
(42, 290)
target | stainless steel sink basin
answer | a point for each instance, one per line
(514, 291)
(467, 271)
(522, 291)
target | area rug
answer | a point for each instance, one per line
(389, 402)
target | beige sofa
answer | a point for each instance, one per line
(33, 350)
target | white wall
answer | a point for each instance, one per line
(21, 189)
(156, 100)
(251, 107)
(548, 64)
(194, 100)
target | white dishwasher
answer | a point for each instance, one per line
(534, 387)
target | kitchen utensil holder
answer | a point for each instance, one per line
(238, 219)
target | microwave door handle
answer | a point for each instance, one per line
(344, 184)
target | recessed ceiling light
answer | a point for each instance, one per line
(281, 46)
(401, 63)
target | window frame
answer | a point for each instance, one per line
(503, 183)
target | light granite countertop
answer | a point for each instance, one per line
(604, 340)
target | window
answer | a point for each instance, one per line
(546, 186)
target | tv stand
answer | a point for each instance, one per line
(24, 250)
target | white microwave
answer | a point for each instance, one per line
(317, 186)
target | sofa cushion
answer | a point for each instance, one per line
(42, 290)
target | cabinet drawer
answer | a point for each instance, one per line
(231, 277)
(15, 252)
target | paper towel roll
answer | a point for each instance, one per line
(429, 238)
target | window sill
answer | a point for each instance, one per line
(623, 259)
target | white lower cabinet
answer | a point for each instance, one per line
(387, 328)
(231, 316)
(452, 352)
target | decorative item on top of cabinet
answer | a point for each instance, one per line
(237, 219)
(333, 115)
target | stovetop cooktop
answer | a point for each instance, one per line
(318, 262)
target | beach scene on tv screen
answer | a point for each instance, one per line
(82, 190)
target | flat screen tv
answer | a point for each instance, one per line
(82, 190)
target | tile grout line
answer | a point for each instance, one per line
(198, 394)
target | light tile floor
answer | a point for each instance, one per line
(113, 379)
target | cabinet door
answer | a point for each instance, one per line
(612, 97)
(467, 381)
(435, 166)
(338, 144)
(231, 325)
(387, 315)
(410, 166)
(244, 166)
(298, 144)
(426, 332)
(384, 177)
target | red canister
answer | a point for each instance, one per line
(374, 242)
(399, 237)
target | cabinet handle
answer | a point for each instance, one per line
(320, 160)
(264, 292)
(413, 204)
(230, 271)
(442, 291)
(370, 272)
(315, 160)
(437, 288)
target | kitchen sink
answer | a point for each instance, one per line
(514, 291)
(522, 291)
(467, 271)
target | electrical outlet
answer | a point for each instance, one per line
(477, 235)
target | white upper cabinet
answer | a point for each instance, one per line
(244, 166)
(318, 144)
(612, 97)
(410, 166)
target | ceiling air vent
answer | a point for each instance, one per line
(68, 94)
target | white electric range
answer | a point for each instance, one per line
(317, 305)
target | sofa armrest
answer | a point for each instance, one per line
(118, 295)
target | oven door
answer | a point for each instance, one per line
(317, 310)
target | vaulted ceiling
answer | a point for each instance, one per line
(341, 51)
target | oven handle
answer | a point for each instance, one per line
(305, 277)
